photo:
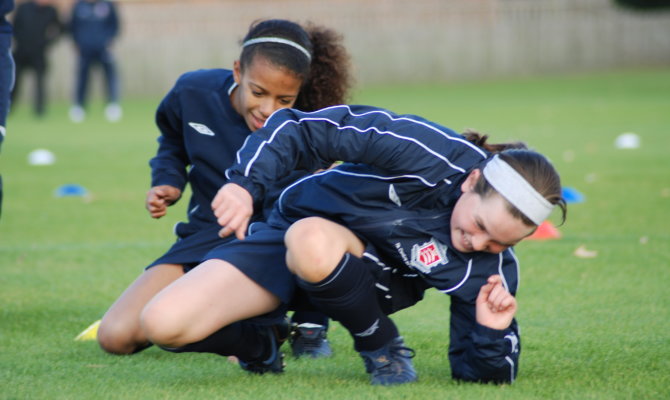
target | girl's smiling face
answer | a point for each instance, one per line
(484, 223)
(263, 88)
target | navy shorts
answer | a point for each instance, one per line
(195, 241)
(262, 257)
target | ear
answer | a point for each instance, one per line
(470, 182)
(237, 71)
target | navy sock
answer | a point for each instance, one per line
(348, 295)
(240, 339)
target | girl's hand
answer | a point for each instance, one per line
(496, 306)
(159, 198)
(233, 207)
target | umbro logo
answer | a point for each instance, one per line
(394, 196)
(200, 128)
(514, 341)
(372, 329)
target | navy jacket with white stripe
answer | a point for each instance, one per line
(396, 190)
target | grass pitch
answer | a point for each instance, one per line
(592, 328)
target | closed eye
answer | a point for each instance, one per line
(498, 245)
(480, 225)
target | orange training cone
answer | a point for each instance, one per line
(545, 231)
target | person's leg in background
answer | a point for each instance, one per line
(78, 111)
(113, 110)
(40, 68)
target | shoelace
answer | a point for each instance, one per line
(397, 351)
(403, 351)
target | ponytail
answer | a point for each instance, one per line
(330, 78)
(315, 55)
(479, 140)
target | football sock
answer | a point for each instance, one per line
(240, 339)
(348, 295)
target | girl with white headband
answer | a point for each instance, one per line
(416, 206)
(203, 121)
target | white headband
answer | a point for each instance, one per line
(277, 40)
(513, 187)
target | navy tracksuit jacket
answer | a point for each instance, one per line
(396, 191)
(200, 135)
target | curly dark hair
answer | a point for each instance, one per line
(330, 78)
(325, 74)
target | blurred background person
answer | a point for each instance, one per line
(6, 70)
(94, 25)
(36, 26)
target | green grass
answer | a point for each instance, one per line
(596, 328)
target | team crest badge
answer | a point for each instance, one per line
(427, 256)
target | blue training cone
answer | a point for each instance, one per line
(71, 190)
(572, 195)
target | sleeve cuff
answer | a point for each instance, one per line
(490, 332)
(246, 184)
(168, 179)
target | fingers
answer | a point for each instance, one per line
(495, 296)
(159, 198)
(220, 200)
(485, 291)
(155, 205)
(237, 224)
(172, 196)
(240, 232)
(225, 231)
(495, 306)
(500, 299)
(158, 213)
(233, 207)
(225, 214)
(495, 279)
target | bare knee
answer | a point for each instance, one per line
(116, 337)
(316, 245)
(119, 331)
(159, 328)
